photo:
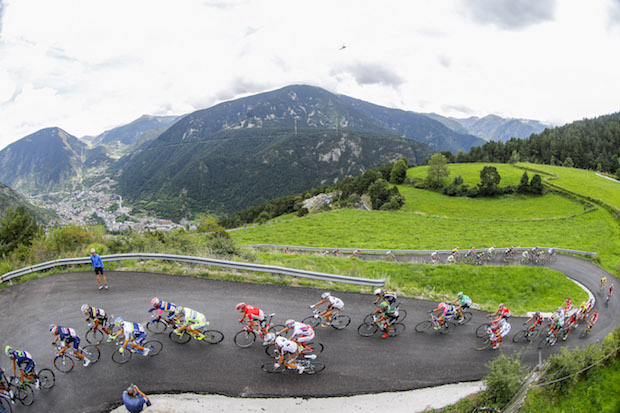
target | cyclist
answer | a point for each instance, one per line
(5, 386)
(291, 349)
(471, 253)
(193, 321)
(451, 259)
(390, 256)
(435, 257)
(491, 252)
(463, 302)
(551, 252)
(582, 311)
(509, 252)
(163, 307)
(97, 316)
(611, 291)
(502, 313)
(603, 284)
(134, 333)
(68, 336)
(445, 310)
(355, 253)
(592, 320)
(386, 295)
(256, 316)
(302, 333)
(571, 322)
(568, 305)
(537, 320)
(335, 304)
(24, 361)
(525, 255)
(590, 304)
(557, 322)
(501, 329)
(389, 314)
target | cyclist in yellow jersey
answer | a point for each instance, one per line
(193, 321)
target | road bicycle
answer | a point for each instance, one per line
(310, 366)
(158, 325)
(207, 336)
(247, 336)
(528, 334)
(486, 340)
(549, 340)
(97, 332)
(6, 400)
(402, 314)
(22, 391)
(446, 327)
(369, 329)
(586, 330)
(65, 361)
(306, 349)
(338, 321)
(154, 347)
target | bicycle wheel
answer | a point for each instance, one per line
(244, 338)
(312, 348)
(121, 358)
(270, 368)
(179, 339)
(154, 346)
(212, 337)
(367, 330)
(467, 316)
(63, 363)
(94, 336)
(544, 343)
(519, 336)
(447, 327)
(272, 350)
(340, 321)
(482, 330)
(47, 378)
(532, 335)
(369, 319)
(5, 405)
(396, 329)
(92, 353)
(402, 314)
(314, 367)
(24, 394)
(311, 321)
(423, 326)
(483, 343)
(584, 333)
(156, 326)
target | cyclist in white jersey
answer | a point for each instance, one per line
(335, 304)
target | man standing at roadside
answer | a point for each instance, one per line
(134, 399)
(95, 259)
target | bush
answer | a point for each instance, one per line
(505, 378)
(302, 212)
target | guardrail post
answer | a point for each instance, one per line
(119, 263)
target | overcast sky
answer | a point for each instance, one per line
(88, 65)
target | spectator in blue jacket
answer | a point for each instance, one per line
(134, 400)
(95, 259)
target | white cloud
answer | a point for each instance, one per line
(90, 66)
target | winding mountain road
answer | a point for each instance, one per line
(355, 365)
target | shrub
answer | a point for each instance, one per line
(505, 378)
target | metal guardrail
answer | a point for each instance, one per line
(272, 269)
(503, 249)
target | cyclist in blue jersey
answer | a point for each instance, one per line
(24, 361)
(68, 336)
(162, 307)
(134, 333)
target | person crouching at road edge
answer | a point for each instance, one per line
(134, 399)
(95, 259)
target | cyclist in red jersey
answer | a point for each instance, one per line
(256, 316)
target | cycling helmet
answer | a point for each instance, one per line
(8, 350)
(179, 311)
(270, 337)
(118, 321)
(289, 322)
(537, 314)
(325, 295)
(568, 299)
(53, 328)
(378, 291)
(280, 341)
(84, 308)
(500, 307)
(92, 250)
(441, 306)
(155, 302)
(460, 294)
(241, 306)
(383, 305)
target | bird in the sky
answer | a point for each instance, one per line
(343, 47)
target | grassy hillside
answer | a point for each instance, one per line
(470, 172)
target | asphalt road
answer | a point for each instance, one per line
(355, 364)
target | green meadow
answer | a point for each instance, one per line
(470, 172)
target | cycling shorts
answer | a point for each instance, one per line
(99, 270)
(28, 368)
(139, 337)
(199, 326)
(75, 340)
(304, 338)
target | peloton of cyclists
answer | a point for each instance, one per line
(68, 336)
(256, 316)
(335, 304)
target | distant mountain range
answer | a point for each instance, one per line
(242, 152)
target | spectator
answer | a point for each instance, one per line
(95, 259)
(134, 399)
